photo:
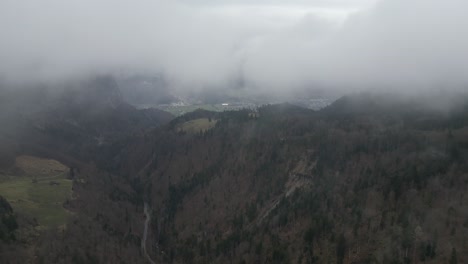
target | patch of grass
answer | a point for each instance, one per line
(33, 194)
(34, 166)
(180, 110)
(197, 125)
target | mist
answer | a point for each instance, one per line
(415, 45)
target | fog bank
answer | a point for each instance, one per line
(262, 45)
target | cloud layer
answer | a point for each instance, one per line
(266, 45)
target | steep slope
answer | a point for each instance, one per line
(288, 185)
(79, 118)
(370, 179)
(76, 124)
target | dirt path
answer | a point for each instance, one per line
(145, 233)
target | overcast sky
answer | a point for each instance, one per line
(268, 44)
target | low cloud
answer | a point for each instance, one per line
(394, 44)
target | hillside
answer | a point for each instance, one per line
(79, 118)
(369, 179)
(358, 182)
(49, 143)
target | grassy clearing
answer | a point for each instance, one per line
(197, 125)
(178, 110)
(32, 193)
(33, 166)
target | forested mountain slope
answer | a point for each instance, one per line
(370, 179)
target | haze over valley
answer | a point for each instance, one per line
(234, 131)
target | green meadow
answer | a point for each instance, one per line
(39, 190)
(197, 125)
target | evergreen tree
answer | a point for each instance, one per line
(341, 249)
(453, 258)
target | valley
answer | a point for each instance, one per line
(365, 180)
(238, 132)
